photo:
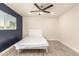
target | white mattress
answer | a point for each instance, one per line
(31, 42)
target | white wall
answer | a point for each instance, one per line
(69, 28)
(47, 23)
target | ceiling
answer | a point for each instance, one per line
(25, 8)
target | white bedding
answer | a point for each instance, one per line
(32, 42)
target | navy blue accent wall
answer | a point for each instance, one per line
(9, 37)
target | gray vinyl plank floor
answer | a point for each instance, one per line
(55, 48)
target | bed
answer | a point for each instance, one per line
(34, 40)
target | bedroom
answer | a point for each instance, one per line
(60, 29)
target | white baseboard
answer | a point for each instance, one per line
(69, 46)
(5, 50)
(51, 39)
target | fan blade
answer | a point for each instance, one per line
(47, 11)
(37, 6)
(35, 11)
(48, 7)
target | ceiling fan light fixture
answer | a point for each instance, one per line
(51, 13)
(41, 13)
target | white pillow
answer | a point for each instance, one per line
(35, 32)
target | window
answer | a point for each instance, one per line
(7, 21)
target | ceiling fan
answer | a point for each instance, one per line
(42, 9)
